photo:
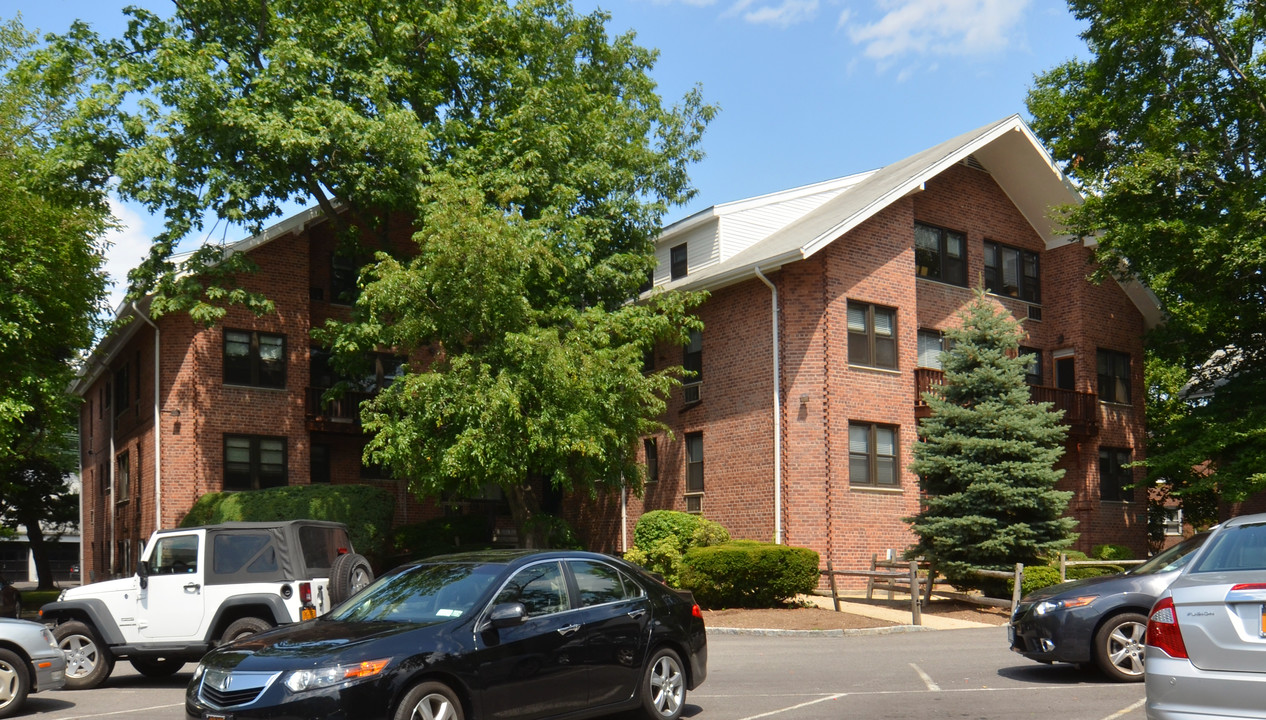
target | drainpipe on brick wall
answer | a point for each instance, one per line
(158, 428)
(624, 518)
(777, 413)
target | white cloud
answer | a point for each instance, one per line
(937, 27)
(785, 14)
(129, 244)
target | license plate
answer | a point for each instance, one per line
(307, 613)
(216, 716)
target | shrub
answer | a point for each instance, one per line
(746, 573)
(1040, 576)
(1108, 551)
(366, 510)
(437, 536)
(662, 537)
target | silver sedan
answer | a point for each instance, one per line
(30, 661)
(1206, 635)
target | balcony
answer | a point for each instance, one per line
(340, 415)
(1081, 409)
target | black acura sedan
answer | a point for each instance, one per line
(511, 635)
(1101, 619)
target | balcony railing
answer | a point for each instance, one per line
(1081, 409)
(341, 414)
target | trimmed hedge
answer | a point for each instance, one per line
(366, 510)
(1040, 576)
(661, 539)
(747, 573)
(1108, 551)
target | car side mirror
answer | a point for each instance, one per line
(142, 571)
(508, 615)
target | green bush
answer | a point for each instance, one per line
(746, 573)
(441, 535)
(1108, 551)
(662, 537)
(1040, 576)
(366, 510)
(557, 532)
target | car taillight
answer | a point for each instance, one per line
(1249, 586)
(1162, 629)
(694, 610)
(305, 592)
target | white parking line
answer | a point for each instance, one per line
(927, 679)
(129, 711)
(795, 707)
(1126, 711)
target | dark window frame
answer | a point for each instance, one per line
(678, 262)
(1034, 372)
(253, 371)
(864, 347)
(942, 267)
(1115, 385)
(650, 447)
(694, 470)
(344, 276)
(1114, 476)
(256, 477)
(122, 477)
(122, 390)
(1028, 287)
(872, 457)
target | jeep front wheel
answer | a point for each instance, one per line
(88, 660)
(245, 627)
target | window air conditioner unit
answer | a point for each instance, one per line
(691, 393)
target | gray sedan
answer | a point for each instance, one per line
(30, 661)
(1206, 635)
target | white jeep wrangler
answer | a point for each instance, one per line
(196, 588)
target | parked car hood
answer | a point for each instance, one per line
(1119, 582)
(319, 642)
(127, 584)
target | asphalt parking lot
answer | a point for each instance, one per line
(939, 674)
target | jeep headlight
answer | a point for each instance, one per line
(1049, 606)
(323, 677)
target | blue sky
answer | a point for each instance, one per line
(808, 89)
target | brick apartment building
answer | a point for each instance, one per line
(824, 321)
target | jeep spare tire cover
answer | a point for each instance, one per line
(350, 573)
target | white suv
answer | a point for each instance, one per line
(196, 588)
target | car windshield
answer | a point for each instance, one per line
(420, 594)
(1171, 558)
(1239, 547)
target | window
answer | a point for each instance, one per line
(1114, 376)
(931, 344)
(344, 271)
(253, 462)
(872, 455)
(651, 445)
(940, 254)
(1114, 478)
(249, 553)
(694, 472)
(320, 463)
(254, 358)
(678, 265)
(599, 583)
(1173, 521)
(692, 360)
(541, 588)
(1012, 272)
(872, 335)
(174, 555)
(121, 396)
(122, 478)
(1032, 373)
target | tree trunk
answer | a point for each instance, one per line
(525, 506)
(39, 551)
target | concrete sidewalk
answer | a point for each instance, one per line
(892, 613)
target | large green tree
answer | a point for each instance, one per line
(530, 151)
(986, 457)
(53, 215)
(1164, 128)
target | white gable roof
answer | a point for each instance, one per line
(772, 230)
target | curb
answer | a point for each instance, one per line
(891, 630)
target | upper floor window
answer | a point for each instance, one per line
(872, 454)
(123, 477)
(931, 344)
(1114, 376)
(1033, 373)
(692, 360)
(254, 358)
(344, 272)
(651, 446)
(1012, 272)
(872, 335)
(1115, 478)
(940, 254)
(254, 462)
(121, 388)
(677, 264)
(694, 472)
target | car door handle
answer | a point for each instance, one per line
(568, 630)
(635, 614)
(192, 587)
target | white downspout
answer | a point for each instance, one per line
(777, 414)
(624, 518)
(158, 427)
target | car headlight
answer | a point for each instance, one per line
(1048, 606)
(198, 673)
(301, 680)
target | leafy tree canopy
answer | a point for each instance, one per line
(986, 456)
(1163, 126)
(530, 151)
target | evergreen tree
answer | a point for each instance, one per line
(986, 457)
